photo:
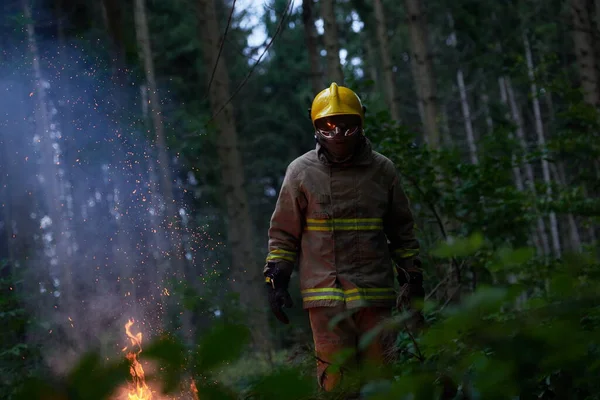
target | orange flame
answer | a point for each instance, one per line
(138, 389)
(194, 390)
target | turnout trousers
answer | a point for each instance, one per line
(345, 336)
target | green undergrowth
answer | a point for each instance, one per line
(510, 341)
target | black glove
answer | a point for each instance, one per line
(278, 281)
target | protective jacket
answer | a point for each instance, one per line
(344, 225)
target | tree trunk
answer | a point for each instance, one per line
(584, 51)
(371, 60)
(424, 77)
(113, 21)
(464, 102)
(516, 117)
(561, 177)
(332, 45)
(246, 273)
(536, 239)
(445, 126)
(311, 39)
(515, 166)
(68, 239)
(166, 184)
(539, 128)
(6, 194)
(485, 100)
(558, 170)
(49, 170)
(158, 245)
(386, 60)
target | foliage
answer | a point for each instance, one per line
(19, 360)
(499, 343)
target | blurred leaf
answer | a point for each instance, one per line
(393, 323)
(224, 343)
(90, 379)
(509, 257)
(288, 384)
(563, 285)
(170, 355)
(459, 247)
(38, 388)
(339, 317)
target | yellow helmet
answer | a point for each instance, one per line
(336, 100)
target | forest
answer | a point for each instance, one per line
(143, 145)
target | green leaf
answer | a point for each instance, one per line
(507, 258)
(459, 247)
(170, 354)
(289, 384)
(90, 379)
(392, 323)
(224, 343)
(38, 388)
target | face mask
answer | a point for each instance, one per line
(340, 149)
(339, 136)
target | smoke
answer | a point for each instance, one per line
(81, 200)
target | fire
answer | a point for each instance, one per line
(138, 389)
(194, 390)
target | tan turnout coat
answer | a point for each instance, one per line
(344, 225)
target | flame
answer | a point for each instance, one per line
(138, 390)
(194, 390)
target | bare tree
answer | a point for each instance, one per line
(332, 45)
(49, 168)
(539, 129)
(386, 60)
(166, 182)
(516, 170)
(520, 131)
(464, 101)
(584, 51)
(422, 66)
(246, 274)
(311, 39)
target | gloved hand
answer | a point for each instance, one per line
(411, 289)
(278, 281)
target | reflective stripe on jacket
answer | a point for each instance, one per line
(344, 225)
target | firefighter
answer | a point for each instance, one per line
(343, 216)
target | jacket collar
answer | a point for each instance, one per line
(363, 155)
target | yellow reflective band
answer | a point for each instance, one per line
(280, 254)
(350, 295)
(277, 257)
(316, 298)
(369, 294)
(344, 224)
(405, 253)
(281, 251)
(322, 294)
(321, 290)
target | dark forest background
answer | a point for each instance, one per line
(143, 144)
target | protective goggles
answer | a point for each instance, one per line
(331, 128)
